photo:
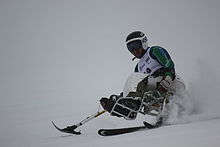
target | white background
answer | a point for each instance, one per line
(58, 58)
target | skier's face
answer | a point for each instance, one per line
(135, 47)
(138, 52)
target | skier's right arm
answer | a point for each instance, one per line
(163, 57)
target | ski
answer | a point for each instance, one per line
(69, 129)
(119, 131)
(111, 132)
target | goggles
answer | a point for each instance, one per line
(134, 45)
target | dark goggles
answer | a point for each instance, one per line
(134, 45)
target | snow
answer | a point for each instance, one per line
(58, 58)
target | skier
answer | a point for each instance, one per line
(154, 61)
(147, 91)
(153, 80)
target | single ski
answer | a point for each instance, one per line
(111, 132)
(69, 129)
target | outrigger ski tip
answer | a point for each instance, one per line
(69, 129)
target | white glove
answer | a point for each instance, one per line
(165, 84)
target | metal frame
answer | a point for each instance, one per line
(144, 108)
(130, 111)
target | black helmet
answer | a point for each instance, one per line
(136, 40)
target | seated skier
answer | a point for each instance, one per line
(157, 73)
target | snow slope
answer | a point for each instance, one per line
(29, 124)
(58, 58)
(200, 133)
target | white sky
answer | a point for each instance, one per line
(63, 45)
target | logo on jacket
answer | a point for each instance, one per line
(147, 60)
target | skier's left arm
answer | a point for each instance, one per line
(163, 57)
